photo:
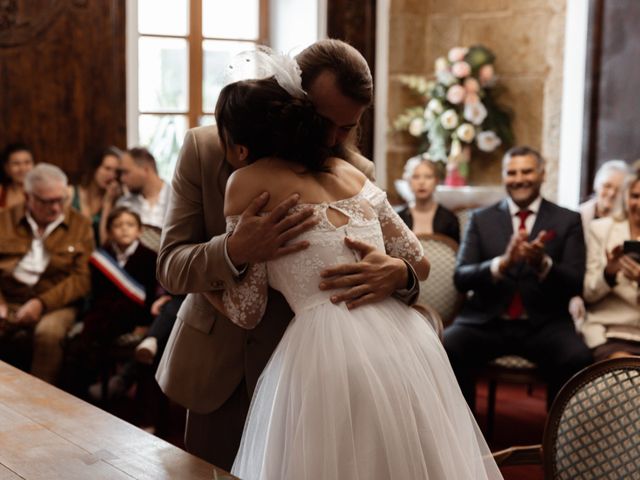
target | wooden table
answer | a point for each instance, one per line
(46, 433)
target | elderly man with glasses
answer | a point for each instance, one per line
(44, 271)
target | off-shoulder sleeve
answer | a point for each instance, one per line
(246, 301)
(399, 240)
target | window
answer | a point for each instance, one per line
(177, 51)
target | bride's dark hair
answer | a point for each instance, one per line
(268, 121)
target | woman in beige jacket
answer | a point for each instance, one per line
(612, 328)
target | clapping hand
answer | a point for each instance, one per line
(533, 252)
(514, 252)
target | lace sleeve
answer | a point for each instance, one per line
(399, 240)
(246, 301)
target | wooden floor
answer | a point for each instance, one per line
(46, 433)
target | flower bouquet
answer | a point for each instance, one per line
(459, 113)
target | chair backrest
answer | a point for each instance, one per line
(593, 429)
(438, 290)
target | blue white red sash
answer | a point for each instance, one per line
(118, 276)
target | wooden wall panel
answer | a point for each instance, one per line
(612, 108)
(354, 21)
(62, 77)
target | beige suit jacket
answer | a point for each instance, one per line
(207, 356)
(611, 310)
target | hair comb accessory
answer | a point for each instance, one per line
(264, 63)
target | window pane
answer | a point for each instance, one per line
(207, 120)
(162, 74)
(164, 17)
(231, 19)
(163, 135)
(217, 56)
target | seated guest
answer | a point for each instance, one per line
(44, 267)
(423, 214)
(17, 161)
(123, 289)
(612, 326)
(98, 190)
(606, 186)
(123, 281)
(520, 262)
(148, 195)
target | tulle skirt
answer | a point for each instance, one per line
(364, 394)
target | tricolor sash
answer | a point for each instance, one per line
(118, 276)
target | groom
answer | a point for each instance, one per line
(210, 365)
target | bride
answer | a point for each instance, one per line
(363, 394)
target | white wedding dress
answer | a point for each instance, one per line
(352, 394)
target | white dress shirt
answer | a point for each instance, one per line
(35, 262)
(152, 215)
(122, 256)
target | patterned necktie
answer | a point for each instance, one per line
(516, 309)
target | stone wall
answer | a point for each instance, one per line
(527, 37)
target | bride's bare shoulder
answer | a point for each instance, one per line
(347, 173)
(247, 183)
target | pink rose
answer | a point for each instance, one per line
(471, 98)
(471, 85)
(456, 94)
(486, 75)
(456, 54)
(461, 69)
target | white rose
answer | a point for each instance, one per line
(475, 112)
(466, 132)
(488, 141)
(416, 127)
(441, 64)
(435, 106)
(449, 119)
(429, 116)
(446, 78)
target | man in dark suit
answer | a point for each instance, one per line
(520, 262)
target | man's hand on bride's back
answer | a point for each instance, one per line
(258, 238)
(375, 277)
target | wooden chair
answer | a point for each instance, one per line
(593, 427)
(438, 290)
(506, 369)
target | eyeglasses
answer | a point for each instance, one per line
(50, 202)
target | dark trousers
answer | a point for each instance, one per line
(163, 323)
(555, 348)
(215, 437)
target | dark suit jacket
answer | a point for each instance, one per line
(487, 236)
(444, 222)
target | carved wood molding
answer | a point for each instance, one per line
(22, 21)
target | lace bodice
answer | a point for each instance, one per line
(370, 218)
